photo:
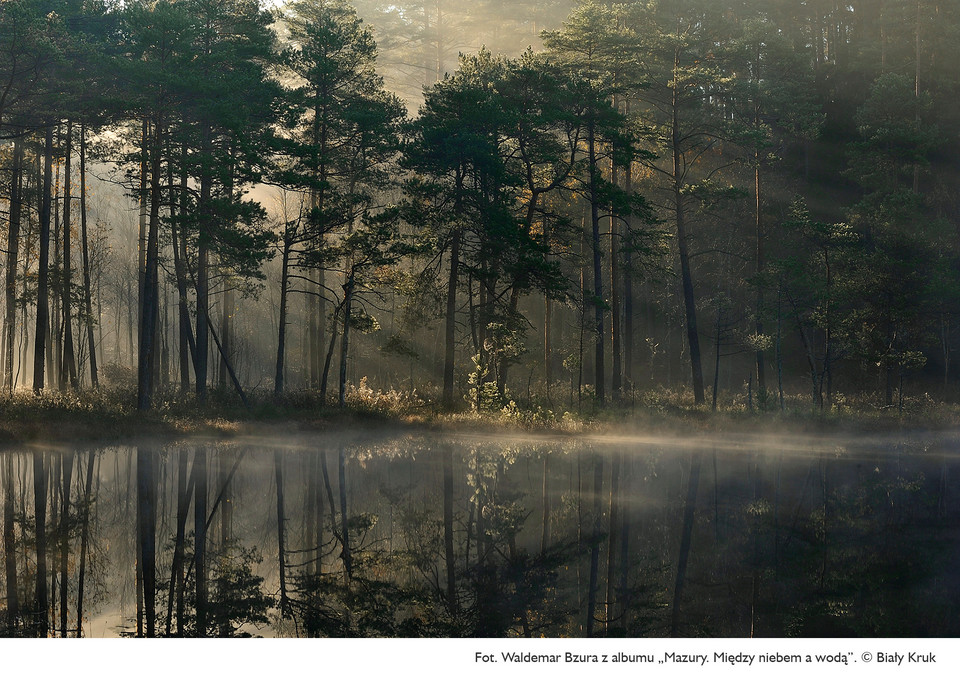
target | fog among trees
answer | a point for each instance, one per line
(488, 205)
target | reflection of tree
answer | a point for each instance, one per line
(235, 598)
(846, 549)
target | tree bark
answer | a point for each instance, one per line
(450, 324)
(598, 304)
(68, 366)
(13, 252)
(282, 328)
(345, 340)
(92, 323)
(43, 269)
(689, 300)
(203, 292)
(146, 360)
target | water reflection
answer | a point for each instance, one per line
(411, 536)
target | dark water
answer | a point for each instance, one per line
(412, 535)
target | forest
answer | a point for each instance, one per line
(494, 284)
(476, 205)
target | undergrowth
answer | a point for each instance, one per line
(110, 412)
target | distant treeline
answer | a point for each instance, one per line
(759, 198)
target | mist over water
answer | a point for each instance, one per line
(408, 535)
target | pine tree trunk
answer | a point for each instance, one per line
(226, 337)
(282, 327)
(686, 278)
(203, 291)
(616, 334)
(13, 252)
(598, 304)
(345, 341)
(314, 354)
(628, 371)
(92, 323)
(450, 324)
(68, 367)
(146, 360)
(758, 316)
(178, 241)
(43, 269)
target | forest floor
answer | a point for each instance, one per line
(109, 417)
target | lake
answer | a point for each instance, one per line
(427, 534)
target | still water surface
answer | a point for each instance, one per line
(418, 535)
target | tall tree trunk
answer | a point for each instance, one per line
(68, 367)
(150, 297)
(314, 353)
(616, 334)
(345, 341)
(686, 278)
(758, 226)
(203, 292)
(334, 330)
(142, 224)
(598, 304)
(92, 323)
(282, 328)
(450, 323)
(43, 269)
(13, 252)
(188, 344)
(226, 338)
(628, 370)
